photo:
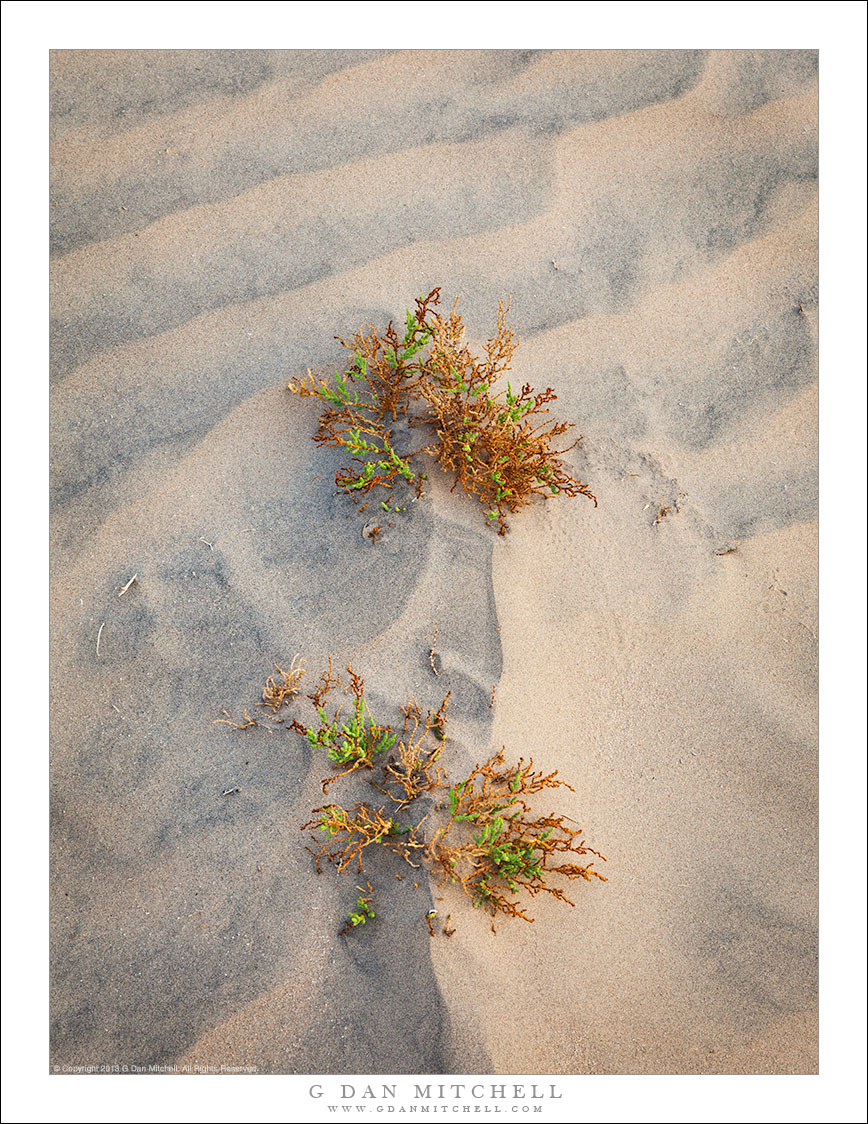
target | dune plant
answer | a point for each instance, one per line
(350, 831)
(363, 912)
(508, 849)
(498, 442)
(483, 834)
(354, 743)
(480, 832)
(413, 769)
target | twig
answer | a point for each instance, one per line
(227, 721)
(98, 635)
(663, 511)
(127, 586)
(275, 694)
(431, 653)
(205, 541)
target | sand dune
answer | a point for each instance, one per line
(218, 146)
(218, 218)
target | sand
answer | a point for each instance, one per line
(217, 219)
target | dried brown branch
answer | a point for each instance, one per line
(275, 693)
(328, 682)
(227, 721)
(431, 654)
(412, 768)
(350, 832)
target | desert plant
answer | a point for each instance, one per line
(511, 850)
(354, 743)
(412, 769)
(483, 834)
(363, 912)
(350, 831)
(497, 443)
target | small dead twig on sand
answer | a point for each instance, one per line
(227, 721)
(275, 694)
(431, 659)
(127, 586)
(98, 636)
(663, 509)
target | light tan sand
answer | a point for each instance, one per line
(652, 216)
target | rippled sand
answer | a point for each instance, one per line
(217, 219)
